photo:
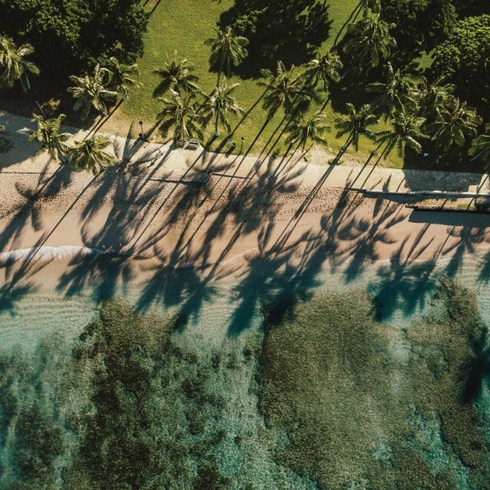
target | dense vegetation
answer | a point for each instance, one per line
(381, 56)
(70, 36)
(462, 59)
(418, 25)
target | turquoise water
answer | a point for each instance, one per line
(227, 306)
(220, 331)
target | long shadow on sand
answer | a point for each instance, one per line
(28, 213)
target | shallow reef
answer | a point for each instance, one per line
(369, 405)
(125, 406)
(324, 396)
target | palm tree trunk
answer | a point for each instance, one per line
(220, 70)
(216, 124)
(344, 148)
(353, 16)
(327, 100)
(61, 154)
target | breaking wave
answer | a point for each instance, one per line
(46, 253)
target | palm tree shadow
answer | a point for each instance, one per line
(275, 279)
(477, 372)
(131, 153)
(368, 235)
(98, 273)
(484, 275)
(11, 294)
(17, 280)
(466, 239)
(29, 212)
(405, 284)
(176, 281)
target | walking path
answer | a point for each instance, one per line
(175, 163)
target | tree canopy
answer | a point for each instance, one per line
(419, 25)
(463, 61)
(70, 35)
(472, 7)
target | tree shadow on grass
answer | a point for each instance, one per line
(287, 30)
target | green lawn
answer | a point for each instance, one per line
(183, 26)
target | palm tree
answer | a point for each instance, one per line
(49, 136)
(405, 131)
(91, 91)
(434, 97)
(14, 65)
(176, 74)
(372, 5)
(355, 125)
(179, 113)
(370, 40)
(363, 6)
(220, 105)
(284, 89)
(122, 77)
(227, 49)
(397, 92)
(457, 123)
(91, 155)
(480, 147)
(307, 128)
(324, 70)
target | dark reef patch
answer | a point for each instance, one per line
(370, 405)
(122, 407)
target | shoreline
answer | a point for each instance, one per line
(249, 214)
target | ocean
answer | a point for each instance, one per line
(353, 375)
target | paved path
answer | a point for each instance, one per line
(169, 163)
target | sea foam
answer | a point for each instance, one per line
(46, 253)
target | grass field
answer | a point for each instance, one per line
(183, 26)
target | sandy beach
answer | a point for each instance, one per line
(179, 208)
(239, 252)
